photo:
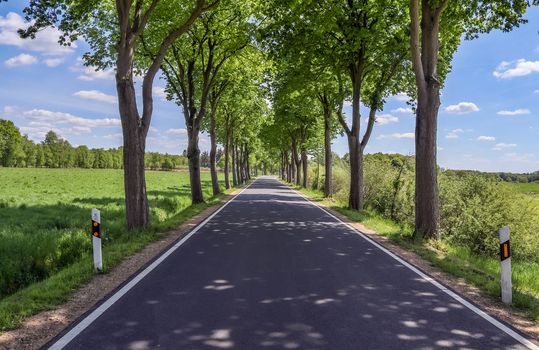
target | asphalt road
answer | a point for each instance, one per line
(273, 271)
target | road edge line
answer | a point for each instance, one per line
(90, 318)
(518, 337)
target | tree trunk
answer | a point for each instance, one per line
(304, 164)
(297, 163)
(136, 200)
(193, 155)
(227, 160)
(248, 165)
(355, 199)
(234, 175)
(134, 145)
(238, 164)
(213, 150)
(282, 166)
(427, 218)
(328, 180)
(292, 168)
(424, 62)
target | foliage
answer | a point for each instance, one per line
(55, 152)
(474, 205)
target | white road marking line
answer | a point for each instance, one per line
(524, 341)
(88, 320)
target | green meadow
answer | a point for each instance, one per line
(45, 239)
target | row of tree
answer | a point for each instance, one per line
(360, 51)
(207, 54)
(268, 79)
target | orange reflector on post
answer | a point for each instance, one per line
(505, 250)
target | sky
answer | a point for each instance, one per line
(488, 119)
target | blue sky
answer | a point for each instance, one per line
(488, 119)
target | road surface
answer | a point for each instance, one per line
(273, 271)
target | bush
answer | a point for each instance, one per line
(474, 206)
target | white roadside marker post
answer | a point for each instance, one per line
(505, 257)
(96, 240)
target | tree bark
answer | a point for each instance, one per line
(238, 164)
(193, 156)
(304, 166)
(213, 148)
(234, 174)
(355, 199)
(227, 159)
(247, 164)
(424, 63)
(297, 161)
(328, 156)
(134, 142)
(283, 175)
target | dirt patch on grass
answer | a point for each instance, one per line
(38, 330)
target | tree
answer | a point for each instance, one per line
(191, 70)
(334, 39)
(435, 31)
(114, 31)
(10, 142)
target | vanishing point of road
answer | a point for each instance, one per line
(271, 270)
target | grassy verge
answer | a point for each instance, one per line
(31, 219)
(480, 271)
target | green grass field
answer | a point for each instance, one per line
(45, 241)
(531, 189)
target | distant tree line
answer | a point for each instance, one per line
(523, 178)
(17, 150)
(500, 176)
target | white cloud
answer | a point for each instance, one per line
(518, 68)
(159, 91)
(536, 91)
(172, 144)
(53, 62)
(407, 135)
(440, 148)
(454, 134)
(486, 138)
(520, 111)
(21, 60)
(176, 132)
(384, 119)
(90, 74)
(402, 110)
(401, 96)
(502, 146)
(96, 96)
(46, 41)
(53, 118)
(37, 122)
(462, 108)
